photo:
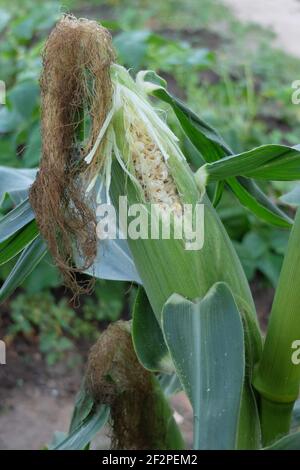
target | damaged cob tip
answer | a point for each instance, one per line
(152, 169)
(144, 146)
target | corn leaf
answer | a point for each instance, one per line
(218, 193)
(268, 162)
(15, 220)
(206, 342)
(206, 139)
(86, 430)
(26, 263)
(250, 195)
(148, 340)
(212, 148)
(82, 408)
(16, 243)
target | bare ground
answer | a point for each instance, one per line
(281, 16)
(36, 400)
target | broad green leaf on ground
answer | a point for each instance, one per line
(4, 19)
(132, 47)
(15, 220)
(10, 120)
(148, 340)
(86, 430)
(17, 242)
(270, 265)
(41, 19)
(267, 162)
(32, 153)
(291, 442)
(26, 263)
(206, 342)
(23, 97)
(256, 253)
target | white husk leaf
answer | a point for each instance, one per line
(149, 141)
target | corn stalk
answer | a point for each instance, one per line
(277, 377)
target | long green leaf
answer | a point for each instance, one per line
(86, 430)
(206, 139)
(27, 261)
(206, 342)
(148, 340)
(268, 162)
(15, 244)
(82, 408)
(212, 148)
(250, 195)
(15, 220)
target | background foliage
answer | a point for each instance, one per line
(227, 72)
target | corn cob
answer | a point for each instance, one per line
(147, 165)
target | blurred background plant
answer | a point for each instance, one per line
(228, 72)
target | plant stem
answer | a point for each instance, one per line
(277, 377)
(275, 419)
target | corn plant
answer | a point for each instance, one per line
(194, 325)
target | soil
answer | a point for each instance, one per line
(281, 16)
(36, 400)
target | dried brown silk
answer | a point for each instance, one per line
(75, 81)
(115, 377)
